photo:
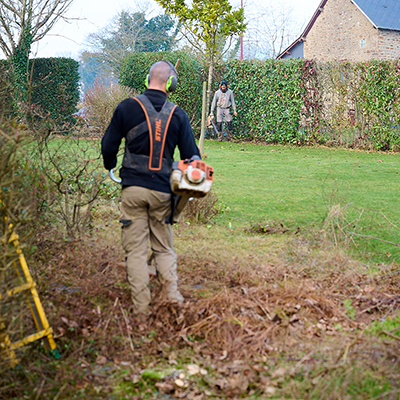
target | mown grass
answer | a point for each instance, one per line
(349, 195)
(299, 187)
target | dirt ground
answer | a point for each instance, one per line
(275, 324)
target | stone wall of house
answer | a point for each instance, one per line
(343, 32)
(389, 45)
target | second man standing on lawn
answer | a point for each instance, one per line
(224, 100)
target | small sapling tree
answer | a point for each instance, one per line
(207, 25)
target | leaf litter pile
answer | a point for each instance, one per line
(247, 328)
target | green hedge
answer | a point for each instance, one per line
(273, 98)
(374, 97)
(188, 94)
(304, 102)
(293, 101)
(268, 96)
(55, 87)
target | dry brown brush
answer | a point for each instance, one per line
(241, 319)
(19, 186)
(101, 99)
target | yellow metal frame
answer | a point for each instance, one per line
(44, 331)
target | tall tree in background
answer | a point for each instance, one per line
(22, 23)
(210, 26)
(130, 32)
(270, 29)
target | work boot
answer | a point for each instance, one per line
(229, 130)
(219, 129)
(173, 292)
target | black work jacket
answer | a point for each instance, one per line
(129, 114)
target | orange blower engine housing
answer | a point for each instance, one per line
(191, 177)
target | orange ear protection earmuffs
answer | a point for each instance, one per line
(171, 82)
(224, 83)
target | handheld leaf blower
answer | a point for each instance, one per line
(190, 178)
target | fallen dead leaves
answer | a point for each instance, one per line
(250, 317)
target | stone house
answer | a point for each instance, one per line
(353, 30)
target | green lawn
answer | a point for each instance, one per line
(298, 186)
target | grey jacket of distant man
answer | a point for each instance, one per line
(223, 100)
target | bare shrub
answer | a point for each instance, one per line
(101, 100)
(20, 181)
(202, 210)
(76, 178)
(71, 161)
(19, 184)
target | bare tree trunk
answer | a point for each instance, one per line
(210, 75)
(203, 119)
(206, 105)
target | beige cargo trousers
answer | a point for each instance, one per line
(144, 212)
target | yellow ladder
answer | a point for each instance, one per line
(44, 331)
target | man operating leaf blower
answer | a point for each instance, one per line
(152, 127)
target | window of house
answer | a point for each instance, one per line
(362, 43)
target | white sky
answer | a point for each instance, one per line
(66, 39)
